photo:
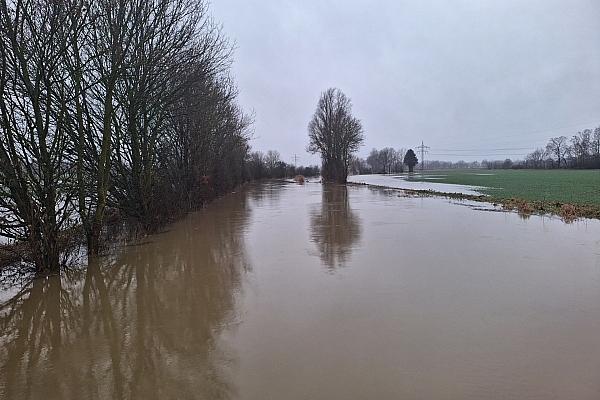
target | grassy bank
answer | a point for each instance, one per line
(577, 187)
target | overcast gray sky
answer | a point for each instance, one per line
(474, 76)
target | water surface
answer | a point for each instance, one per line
(401, 182)
(282, 291)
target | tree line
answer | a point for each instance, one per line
(111, 108)
(269, 165)
(581, 151)
(384, 161)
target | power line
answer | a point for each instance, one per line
(552, 129)
(498, 149)
(534, 136)
(424, 149)
(479, 155)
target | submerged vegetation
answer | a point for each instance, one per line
(114, 111)
(335, 134)
(112, 108)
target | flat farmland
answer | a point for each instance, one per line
(565, 186)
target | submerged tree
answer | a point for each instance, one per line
(411, 160)
(110, 107)
(35, 202)
(335, 134)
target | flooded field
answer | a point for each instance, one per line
(283, 291)
(401, 182)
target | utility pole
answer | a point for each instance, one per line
(295, 160)
(424, 150)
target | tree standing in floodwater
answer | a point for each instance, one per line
(335, 134)
(411, 160)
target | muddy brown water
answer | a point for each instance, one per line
(283, 291)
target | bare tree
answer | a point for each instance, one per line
(557, 147)
(388, 159)
(374, 161)
(112, 104)
(207, 148)
(399, 161)
(335, 134)
(581, 145)
(35, 201)
(102, 37)
(535, 159)
(359, 166)
(162, 49)
(272, 158)
(596, 142)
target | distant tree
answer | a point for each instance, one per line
(374, 162)
(558, 147)
(398, 165)
(461, 164)
(272, 159)
(388, 158)
(535, 159)
(256, 165)
(581, 145)
(411, 160)
(596, 142)
(310, 171)
(335, 134)
(280, 170)
(359, 166)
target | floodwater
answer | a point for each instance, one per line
(282, 291)
(401, 182)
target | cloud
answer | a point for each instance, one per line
(460, 74)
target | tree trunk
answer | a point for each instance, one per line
(93, 242)
(45, 251)
(335, 171)
(103, 171)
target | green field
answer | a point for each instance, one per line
(565, 186)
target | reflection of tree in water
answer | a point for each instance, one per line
(335, 228)
(144, 326)
(33, 325)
